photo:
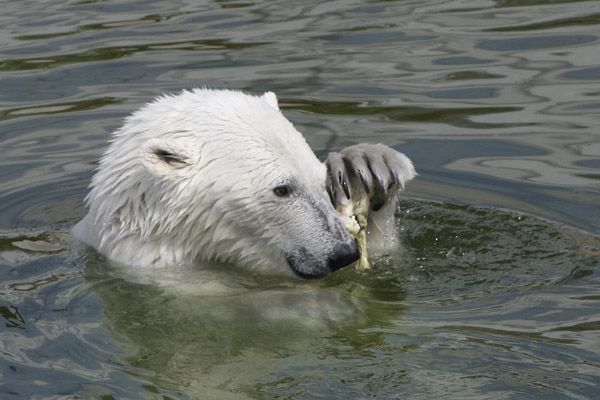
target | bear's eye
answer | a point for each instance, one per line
(282, 191)
(170, 158)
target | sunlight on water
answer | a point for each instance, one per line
(495, 292)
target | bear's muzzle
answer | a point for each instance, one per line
(343, 254)
(306, 266)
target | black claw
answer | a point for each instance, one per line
(342, 180)
(331, 193)
(346, 190)
(364, 182)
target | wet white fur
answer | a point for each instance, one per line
(212, 197)
(235, 148)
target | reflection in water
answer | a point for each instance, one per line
(457, 288)
(460, 298)
(495, 294)
(211, 336)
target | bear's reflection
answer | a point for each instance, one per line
(207, 330)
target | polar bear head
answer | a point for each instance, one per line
(214, 175)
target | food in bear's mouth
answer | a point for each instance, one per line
(354, 216)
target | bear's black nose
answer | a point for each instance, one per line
(342, 255)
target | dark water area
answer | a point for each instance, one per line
(496, 292)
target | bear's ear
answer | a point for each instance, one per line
(167, 157)
(271, 100)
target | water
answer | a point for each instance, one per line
(496, 293)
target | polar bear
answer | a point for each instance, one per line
(222, 175)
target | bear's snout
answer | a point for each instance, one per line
(343, 254)
(307, 265)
